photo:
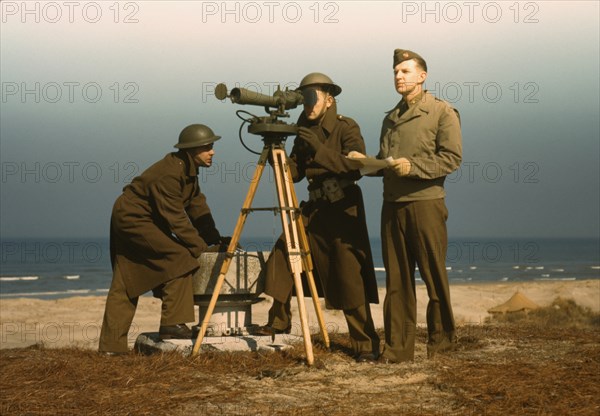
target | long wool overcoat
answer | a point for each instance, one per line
(160, 225)
(337, 232)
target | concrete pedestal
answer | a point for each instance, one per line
(149, 343)
(231, 316)
(244, 282)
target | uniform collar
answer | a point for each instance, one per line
(421, 103)
(417, 98)
(188, 162)
(327, 123)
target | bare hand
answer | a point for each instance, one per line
(401, 166)
(356, 155)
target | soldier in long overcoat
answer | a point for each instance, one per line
(159, 227)
(334, 218)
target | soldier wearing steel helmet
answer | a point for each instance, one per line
(334, 218)
(159, 227)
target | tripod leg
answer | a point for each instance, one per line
(232, 246)
(308, 268)
(290, 227)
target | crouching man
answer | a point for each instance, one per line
(160, 225)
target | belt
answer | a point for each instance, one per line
(330, 189)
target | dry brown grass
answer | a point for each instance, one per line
(542, 363)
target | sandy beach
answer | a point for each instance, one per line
(545, 362)
(76, 321)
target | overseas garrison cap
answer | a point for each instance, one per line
(401, 55)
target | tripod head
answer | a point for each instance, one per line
(271, 128)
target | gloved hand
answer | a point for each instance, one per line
(213, 249)
(310, 137)
(224, 244)
(220, 246)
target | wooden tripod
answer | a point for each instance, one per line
(298, 250)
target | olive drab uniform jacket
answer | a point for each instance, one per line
(160, 225)
(337, 231)
(428, 134)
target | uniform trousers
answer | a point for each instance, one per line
(177, 307)
(363, 337)
(414, 233)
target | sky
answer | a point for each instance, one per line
(95, 92)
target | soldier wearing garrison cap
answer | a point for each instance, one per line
(401, 55)
(159, 227)
(334, 218)
(422, 135)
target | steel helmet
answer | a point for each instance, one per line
(196, 135)
(320, 79)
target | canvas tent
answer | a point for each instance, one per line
(518, 302)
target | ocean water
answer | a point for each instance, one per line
(51, 268)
